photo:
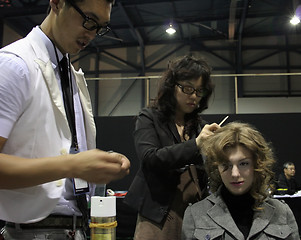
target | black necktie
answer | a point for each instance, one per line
(68, 99)
(69, 108)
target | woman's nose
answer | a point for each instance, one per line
(235, 171)
(194, 94)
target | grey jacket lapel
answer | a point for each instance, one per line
(262, 219)
(220, 214)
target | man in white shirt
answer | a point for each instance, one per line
(37, 137)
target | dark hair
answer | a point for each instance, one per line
(184, 68)
(232, 135)
(286, 164)
(75, 1)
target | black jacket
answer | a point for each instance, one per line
(286, 186)
(162, 155)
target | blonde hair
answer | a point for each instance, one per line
(232, 135)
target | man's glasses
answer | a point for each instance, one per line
(89, 23)
(191, 90)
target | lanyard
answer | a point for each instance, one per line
(67, 91)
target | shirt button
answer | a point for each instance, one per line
(59, 183)
(63, 151)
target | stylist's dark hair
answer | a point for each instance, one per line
(185, 68)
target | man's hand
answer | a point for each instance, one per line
(99, 166)
(94, 166)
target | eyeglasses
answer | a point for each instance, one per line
(89, 23)
(191, 90)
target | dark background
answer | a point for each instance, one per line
(282, 130)
(116, 133)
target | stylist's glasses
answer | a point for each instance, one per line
(191, 90)
(89, 23)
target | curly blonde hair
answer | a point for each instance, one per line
(244, 134)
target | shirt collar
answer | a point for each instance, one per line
(50, 47)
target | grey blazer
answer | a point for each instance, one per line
(210, 219)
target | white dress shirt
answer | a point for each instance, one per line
(15, 89)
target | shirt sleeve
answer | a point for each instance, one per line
(14, 91)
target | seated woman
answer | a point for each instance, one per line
(239, 166)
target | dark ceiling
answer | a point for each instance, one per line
(142, 23)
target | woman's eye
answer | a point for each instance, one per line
(225, 167)
(243, 164)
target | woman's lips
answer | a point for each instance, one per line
(237, 184)
(191, 104)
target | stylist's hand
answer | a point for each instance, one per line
(207, 131)
(99, 166)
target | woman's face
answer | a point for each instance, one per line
(238, 174)
(187, 103)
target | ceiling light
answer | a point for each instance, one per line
(295, 20)
(170, 30)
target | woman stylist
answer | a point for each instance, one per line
(167, 138)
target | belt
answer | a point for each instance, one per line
(52, 221)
